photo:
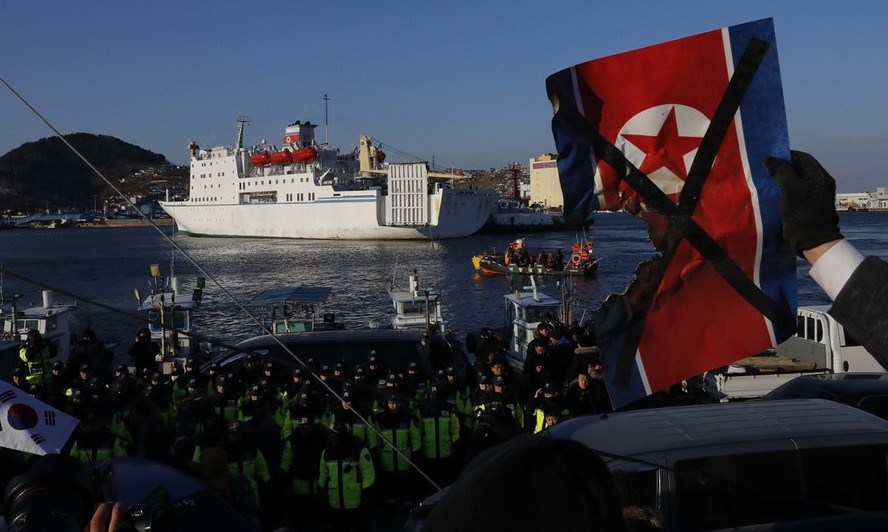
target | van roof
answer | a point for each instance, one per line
(638, 432)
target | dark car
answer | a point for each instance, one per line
(394, 349)
(866, 391)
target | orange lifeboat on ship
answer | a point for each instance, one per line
(260, 158)
(304, 155)
(281, 157)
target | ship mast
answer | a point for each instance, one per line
(326, 118)
(242, 120)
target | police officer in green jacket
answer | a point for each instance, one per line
(96, 441)
(347, 474)
(440, 433)
(399, 442)
(37, 354)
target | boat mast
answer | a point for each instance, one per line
(326, 118)
(242, 120)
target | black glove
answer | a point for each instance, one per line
(807, 201)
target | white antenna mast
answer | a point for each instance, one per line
(326, 118)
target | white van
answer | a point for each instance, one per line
(805, 464)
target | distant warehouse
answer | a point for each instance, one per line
(863, 201)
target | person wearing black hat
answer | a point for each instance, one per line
(546, 399)
(144, 351)
(346, 477)
(275, 381)
(19, 379)
(413, 384)
(36, 353)
(212, 373)
(225, 401)
(248, 468)
(54, 390)
(537, 365)
(400, 441)
(484, 387)
(346, 413)
(510, 398)
(495, 423)
(90, 350)
(300, 465)
(192, 410)
(375, 372)
(440, 433)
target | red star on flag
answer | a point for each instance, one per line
(666, 149)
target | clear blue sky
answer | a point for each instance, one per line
(459, 81)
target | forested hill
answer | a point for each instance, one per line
(47, 174)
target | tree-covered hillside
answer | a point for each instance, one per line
(46, 174)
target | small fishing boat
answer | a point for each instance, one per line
(51, 319)
(295, 309)
(517, 260)
(416, 308)
(169, 309)
(525, 310)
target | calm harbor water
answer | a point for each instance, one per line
(105, 265)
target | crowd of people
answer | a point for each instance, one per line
(284, 444)
(518, 254)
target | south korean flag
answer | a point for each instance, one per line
(29, 425)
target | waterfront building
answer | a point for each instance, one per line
(545, 188)
(850, 201)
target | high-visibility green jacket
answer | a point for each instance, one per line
(404, 434)
(345, 476)
(440, 430)
(37, 361)
(252, 467)
(108, 448)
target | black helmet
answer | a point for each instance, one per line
(221, 380)
(58, 365)
(121, 368)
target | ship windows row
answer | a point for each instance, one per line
(243, 186)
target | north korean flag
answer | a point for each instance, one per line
(677, 133)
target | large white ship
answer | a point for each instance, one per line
(307, 190)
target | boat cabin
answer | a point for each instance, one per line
(169, 310)
(51, 319)
(416, 308)
(295, 309)
(524, 311)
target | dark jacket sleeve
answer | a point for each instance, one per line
(862, 307)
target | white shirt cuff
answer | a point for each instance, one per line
(833, 269)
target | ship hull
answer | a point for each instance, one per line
(351, 217)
